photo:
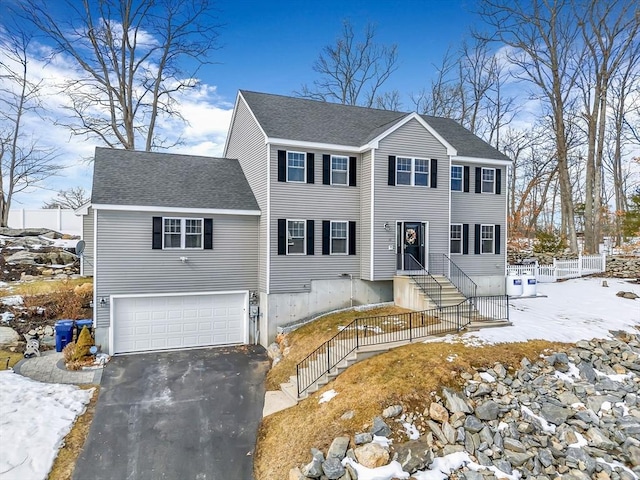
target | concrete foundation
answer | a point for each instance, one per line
(490, 284)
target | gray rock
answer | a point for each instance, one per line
(338, 448)
(313, 469)
(332, 468)
(8, 337)
(362, 438)
(317, 454)
(483, 459)
(380, 428)
(437, 431)
(473, 424)
(554, 414)
(23, 258)
(517, 459)
(392, 411)
(503, 466)
(514, 445)
(455, 402)
(438, 413)
(488, 410)
(545, 457)
(634, 455)
(580, 459)
(599, 439)
(449, 433)
(296, 474)
(413, 455)
(471, 475)
(587, 372)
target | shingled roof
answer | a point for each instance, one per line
(126, 177)
(301, 119)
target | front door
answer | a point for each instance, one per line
(411, 241)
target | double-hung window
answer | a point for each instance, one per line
(339, 170)
(487, 238)
(412, 171)
(456, 238)
(488, 180)
(182, 232)
(296, 234)
(339, 238)
(456, 178)
(296, 167)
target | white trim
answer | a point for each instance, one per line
(493, 236)
(414, 116)
(373, 208)
(346, 245)
(233, 119)
(451, 165)
(83, 209)
(346, 183)
(245, 336)
(317, 145)
(425, 241)
(268, 246)
(304, 239)
(481, 161)
(461, 238)
(493, 190)
(304, 168)
(183, 233)
(184, 210)
(95, 268)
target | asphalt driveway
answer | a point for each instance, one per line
(177, 415)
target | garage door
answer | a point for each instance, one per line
(178, 321)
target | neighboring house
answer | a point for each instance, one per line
(351, 196)
(173, 248)
(321, 206)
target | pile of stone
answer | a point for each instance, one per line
(623, 267)
(573, 415)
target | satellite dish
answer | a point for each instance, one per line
(80, 247)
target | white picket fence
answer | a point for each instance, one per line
(561, 269)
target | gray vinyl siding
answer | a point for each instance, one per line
(407, 203)
(365, 217)
(87, 236)
(483, 208)
(247, 144)
(305, 201)
(128, 265)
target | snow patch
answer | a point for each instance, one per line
(392, 470)
(412, 431)
(582, 442)
(12, 300)
(544, 425)
(327, 396)
(443, 466)
(487, 377)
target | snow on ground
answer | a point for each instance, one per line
(327, 396)
(578, 309)
(34, 419)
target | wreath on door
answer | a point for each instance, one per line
(410, 236)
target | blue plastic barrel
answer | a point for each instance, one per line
(64, 333)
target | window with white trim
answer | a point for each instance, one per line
(339, 170)
(488, 180)
(412, 171)
(339, 240)
(296, 165)
(182, 233)
(455, 238)
(296, 236)
(487, 240)
(456, 178)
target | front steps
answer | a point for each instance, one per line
(408, 294)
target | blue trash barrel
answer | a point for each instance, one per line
(64, 333)
(87, 322)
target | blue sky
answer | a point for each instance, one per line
(269, 47)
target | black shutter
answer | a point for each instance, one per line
(434, 173)
(282, 166)
(465, 238)
(496, 233)
(477, 239)
(392, 170)
(498, 181)
(156, 236)
(326, 169)
(208, 234)
(352, 171)
(466, 179)
(478, 180)
(326, 237)
(352, 238)
(311, 167)
(282, 236)
(310, 237)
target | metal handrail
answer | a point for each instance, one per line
(427, 283)
(454, 273)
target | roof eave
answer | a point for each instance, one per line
(159, 208)
(481, 160)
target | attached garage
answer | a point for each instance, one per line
(167, 321)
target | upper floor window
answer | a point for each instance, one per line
(488, 180)
(339, 170)
(182, 232)
(296, 234)
(339, 238)
(296, 167)
(456, 178)
(412, 171)
(487, 238)
(456, 238)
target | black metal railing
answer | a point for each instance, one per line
(427, 283)
(493, 307)
(364, 332)
(441, 264)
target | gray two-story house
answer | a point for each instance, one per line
(316, 206)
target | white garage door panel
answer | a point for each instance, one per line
(157, 323)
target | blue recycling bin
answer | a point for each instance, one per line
(87, 322)
(64, 333)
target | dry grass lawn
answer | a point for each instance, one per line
(65, 462)
(8, 359)
(306, 339)
(408, 376)
(46, 287)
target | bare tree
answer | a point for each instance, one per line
(133, 56)
(23, 163)
(73, 198)
(388, 101)
(352, 71)
(442, 98)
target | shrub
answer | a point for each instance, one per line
(68, 352)
(548, 242)
(85, 342)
